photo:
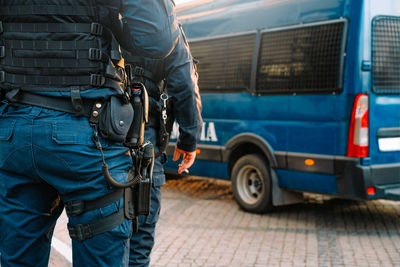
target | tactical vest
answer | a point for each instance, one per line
(47, 47)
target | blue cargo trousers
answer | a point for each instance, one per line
(142, 242)
(46, 155)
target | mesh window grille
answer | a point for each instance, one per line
(224, 63)
(386, 54)
(301, 60)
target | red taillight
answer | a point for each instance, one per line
(358, 133)
(370, 191)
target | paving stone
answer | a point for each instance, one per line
(201, 225)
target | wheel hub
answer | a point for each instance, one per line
(250, 185)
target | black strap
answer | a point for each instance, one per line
(82, 232)
(141, 72)
(135, 63)
(94, 80)
(136, 70)
(56, 103)
(129, 208)
(72, 10)
(94, 117)
(72, 59)
(77, 207)
(51, 54)
(77, 102)
(115, 53)
(92, 28)
(2, 52)
(50, 45)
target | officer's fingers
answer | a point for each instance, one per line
(189, 158)
(177, 154)
(187, 162)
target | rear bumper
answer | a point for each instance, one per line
(353, 175)
(354, 179)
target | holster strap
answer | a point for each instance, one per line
(77, 207)
(81, 232)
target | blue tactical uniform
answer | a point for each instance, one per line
(68, 52)
(178, 72)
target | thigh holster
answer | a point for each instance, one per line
(82, 232)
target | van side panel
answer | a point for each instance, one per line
(272, 94)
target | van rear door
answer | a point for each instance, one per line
(384, 100)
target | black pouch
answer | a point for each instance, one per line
(138, 198)
(142, 197)
(115, 119)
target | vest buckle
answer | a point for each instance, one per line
(97, 80)
(95, 54)
(96, 28)
(138, 71)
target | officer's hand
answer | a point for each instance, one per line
(187, 161)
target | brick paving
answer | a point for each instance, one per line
(201, 225)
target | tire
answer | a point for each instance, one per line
(251, 184)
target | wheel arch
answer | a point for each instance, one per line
(247, 143)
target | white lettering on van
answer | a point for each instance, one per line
(208, 132)
(175, 131)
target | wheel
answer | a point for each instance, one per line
(251, 184)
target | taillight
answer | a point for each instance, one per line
(358, 133)
(371, 191)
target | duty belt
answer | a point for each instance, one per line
(75, 105)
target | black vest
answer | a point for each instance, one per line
(56, 45)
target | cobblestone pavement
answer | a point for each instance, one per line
(201, 225)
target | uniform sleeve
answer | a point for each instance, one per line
(150, 27)
(184, 92)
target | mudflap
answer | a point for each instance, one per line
(281, 196)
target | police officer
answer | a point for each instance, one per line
(174, 78)
(59, 63)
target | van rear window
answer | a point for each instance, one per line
(306, 59)
(386, 54)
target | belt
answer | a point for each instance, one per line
(56, 103)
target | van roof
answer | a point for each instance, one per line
(206, 18)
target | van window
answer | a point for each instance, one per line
(386, 54)
(224, 63)
(301, 59)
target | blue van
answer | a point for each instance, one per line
(298, 96)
